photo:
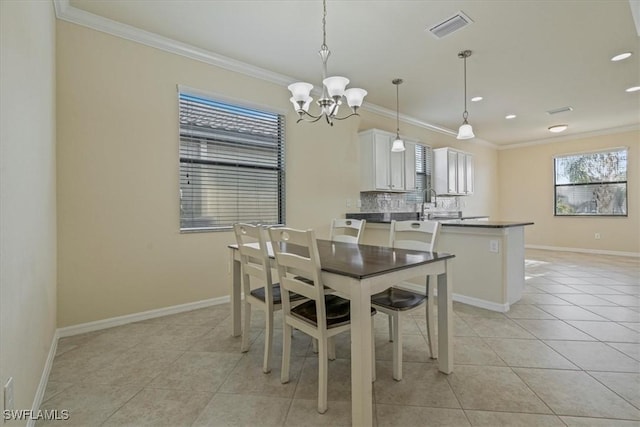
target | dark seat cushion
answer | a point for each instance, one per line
(338, 311)
(398, 299)
(260, 293)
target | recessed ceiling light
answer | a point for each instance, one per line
(510, 116)
(621, 56)
(633, 89)
(476, 99)
(558, 128)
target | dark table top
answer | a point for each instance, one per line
(364, 261)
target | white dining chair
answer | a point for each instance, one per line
(347, 230)
(258, 287)
(396, 302)
(323, 316)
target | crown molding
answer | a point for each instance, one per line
(66, 12)
(610, 131)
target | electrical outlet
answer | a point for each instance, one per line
(494, 246)
(597, 236)
(348, 203)
(9, 403)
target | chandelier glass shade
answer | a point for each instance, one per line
(465, 131)
(333, 90)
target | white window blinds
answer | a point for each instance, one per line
(232, 165)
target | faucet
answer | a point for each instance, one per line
(435, 200)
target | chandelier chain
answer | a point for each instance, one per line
(324, 25)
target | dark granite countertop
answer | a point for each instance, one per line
(484, 224)
(387, 217)
(465, 221)
(383, 217)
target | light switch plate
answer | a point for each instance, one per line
(494, 246)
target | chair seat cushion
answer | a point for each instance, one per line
(338, 311)
(260, 293)
(398, 299)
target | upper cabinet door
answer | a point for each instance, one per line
(382, 162)
(396, 170)
(452, 172)
(469, 171)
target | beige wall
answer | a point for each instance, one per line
(27, 193)
(120, 249)
(526, 193)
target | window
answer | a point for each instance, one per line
(423, 175)
(591, 183)
(232, 165)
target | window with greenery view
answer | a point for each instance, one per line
(591, 183)
(232, 165)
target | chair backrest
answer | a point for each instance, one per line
(254, 258)
(297, 259)
(347, 230)
(417, 235)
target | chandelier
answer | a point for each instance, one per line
(333, 89)
(465, 131)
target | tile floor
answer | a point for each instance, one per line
(568, 354)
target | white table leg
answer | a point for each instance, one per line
(361, 356)
(236, 299)
(445, 323)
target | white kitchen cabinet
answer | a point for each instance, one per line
(380, 168)
(453, 172)
(410, 165)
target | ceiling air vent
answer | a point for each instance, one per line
(450, 25)
(559, 110)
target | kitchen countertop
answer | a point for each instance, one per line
(484, 224)
(387, 217)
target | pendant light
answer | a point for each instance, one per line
(465, 131)
(398, 144)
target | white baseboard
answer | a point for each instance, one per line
(476, 302)
(44, 378)
(584, 251)
(137, 317)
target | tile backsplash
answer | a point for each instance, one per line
(400, 202)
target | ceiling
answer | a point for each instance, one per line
(528, 56)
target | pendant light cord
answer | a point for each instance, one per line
(397, 82)
(465, 114)
(398, 110)
(464, 55)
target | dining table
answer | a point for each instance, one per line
(356, 272)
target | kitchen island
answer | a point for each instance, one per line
(488, 270)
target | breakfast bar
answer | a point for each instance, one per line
(489, 263)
